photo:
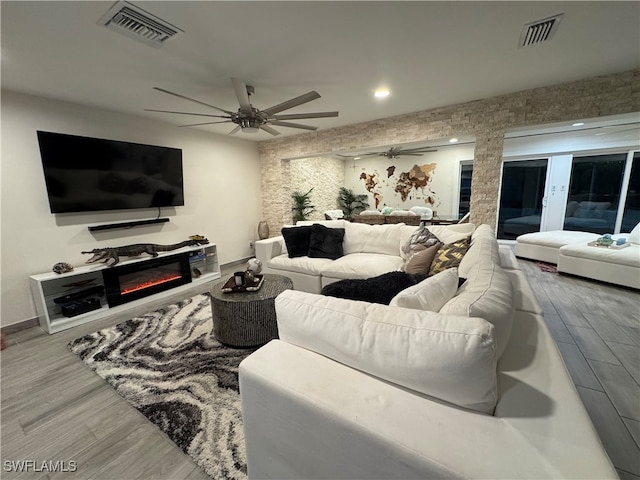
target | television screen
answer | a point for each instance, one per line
(84, 174)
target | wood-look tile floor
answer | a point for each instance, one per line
(55, 409)
(597, 329)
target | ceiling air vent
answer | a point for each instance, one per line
(539, 31)
(134, 22)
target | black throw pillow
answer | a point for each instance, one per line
(325, 242)
(380, 289)
(297, 240)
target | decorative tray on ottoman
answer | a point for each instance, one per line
(612, 246)
(231, 287)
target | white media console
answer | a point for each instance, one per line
(87, 287)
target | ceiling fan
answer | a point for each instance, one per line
(248, 118)
(395, 152)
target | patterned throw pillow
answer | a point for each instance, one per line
(449, 256)
(422, 236)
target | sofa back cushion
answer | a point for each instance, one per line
(363, 238)
(448, 357)
(634, 236)
(445, 233)
(487, 294)
(326, 223)
(483, 246)
(452, 233)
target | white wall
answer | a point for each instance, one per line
(221, 181)
(443, 187)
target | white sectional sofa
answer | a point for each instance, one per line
(474, 389)
(369, 250)
(572, 254)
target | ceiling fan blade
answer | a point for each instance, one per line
(207, 123)
(270, 130)
(186, 113)
(234, 130)
(298, 116)
(294, 102)
(192, 100)
(293, 125)
(241, 94)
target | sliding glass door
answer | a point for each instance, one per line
(591, 193)
(521, 197)
(594, 193)
(631, 212)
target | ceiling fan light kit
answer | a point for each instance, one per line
(249, 119)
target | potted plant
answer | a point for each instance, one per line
(350, 203)
(302, 207)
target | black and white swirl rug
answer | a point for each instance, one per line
(168, 365)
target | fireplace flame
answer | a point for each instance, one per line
(151, 283)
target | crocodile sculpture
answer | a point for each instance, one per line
(111, 255)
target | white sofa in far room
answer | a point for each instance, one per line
(572, 254)
(473, 389)
(369, 250)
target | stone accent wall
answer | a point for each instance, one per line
(324, 174)
(486, 119)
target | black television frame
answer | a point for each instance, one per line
(89, 174)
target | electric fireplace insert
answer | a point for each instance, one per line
(125, 283)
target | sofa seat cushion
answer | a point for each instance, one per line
(311, 266)
(487, 294)
(448, 357)
(362, 265)
(628, 256)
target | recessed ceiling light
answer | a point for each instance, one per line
(453, 140)
(578, 124)
(381, 93)
(356, 158)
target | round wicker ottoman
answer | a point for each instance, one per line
(247, 319)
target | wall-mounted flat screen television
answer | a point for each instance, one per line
(84, 174)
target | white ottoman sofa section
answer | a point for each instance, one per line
(544, 246)
(620, 267)
(365, 391)
(369, 251)
(571, 252)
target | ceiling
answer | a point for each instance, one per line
(428, 53)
